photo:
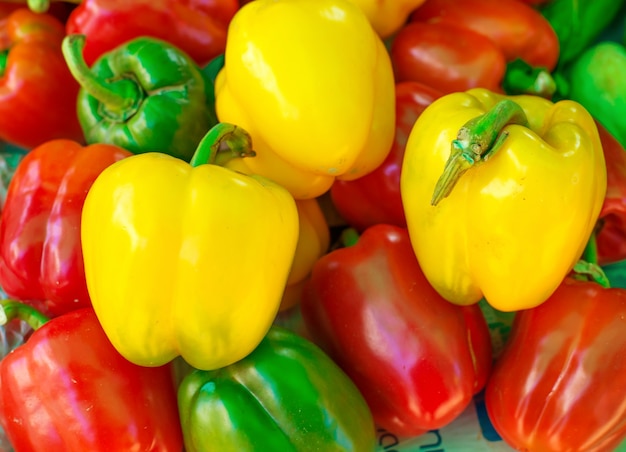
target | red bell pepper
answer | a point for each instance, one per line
(455, 45)
(375, 198)
(417, 359)
(40, 250)
(12, 336)
(198, 27)
(35, 105)
(5, 11)
(611, 231)
(560, 383)
(68, 389)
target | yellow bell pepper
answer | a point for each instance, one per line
(313, 84)
(313, 243)
(501, 195)
(387, 16)
(187, 259)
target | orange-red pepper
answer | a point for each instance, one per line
(611, 227)
(198, 27)
(41, 258)
(456, 45)
(37, 92)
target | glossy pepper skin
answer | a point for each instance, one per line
(68, 389)
(313, 114)
(40, 250)
(375, 198)
(537, 192)
(387, 16)
(560, 383)
(313, 243)
(145, 95)
(578, 23)
(594, 81)
(197, 27)
(201, 272)
(287, 395)
(12, 335)
(417, 359)
(455, 45)
(611, 227)
(35, 105)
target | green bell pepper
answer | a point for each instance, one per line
(578, 23)
(144, 95)
(287, 395)
(597, 80)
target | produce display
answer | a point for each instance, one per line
(313, 225)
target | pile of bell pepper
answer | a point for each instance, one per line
(282, 225)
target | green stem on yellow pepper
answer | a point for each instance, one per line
(120, 98)
(522, 78)
(15, 310)
(223, 142)
(476, 142)
(590, 253)
(587, 271)
(587, 268)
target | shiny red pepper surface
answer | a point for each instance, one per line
(417, 359)
(67, 389)
(455, 45)
(198, 27)
(560, 383)
(40, 250)
(37, 91)
(375, 198)
(611, 231)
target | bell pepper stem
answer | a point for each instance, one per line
(590, 253)
(4, 56)
(477, 141)
(15, 310)
(522, 78)
(38, 6)
(120, 97)
(562, 86)
(587, 271)
(41, 6)
(349, 237)
(223, 142)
